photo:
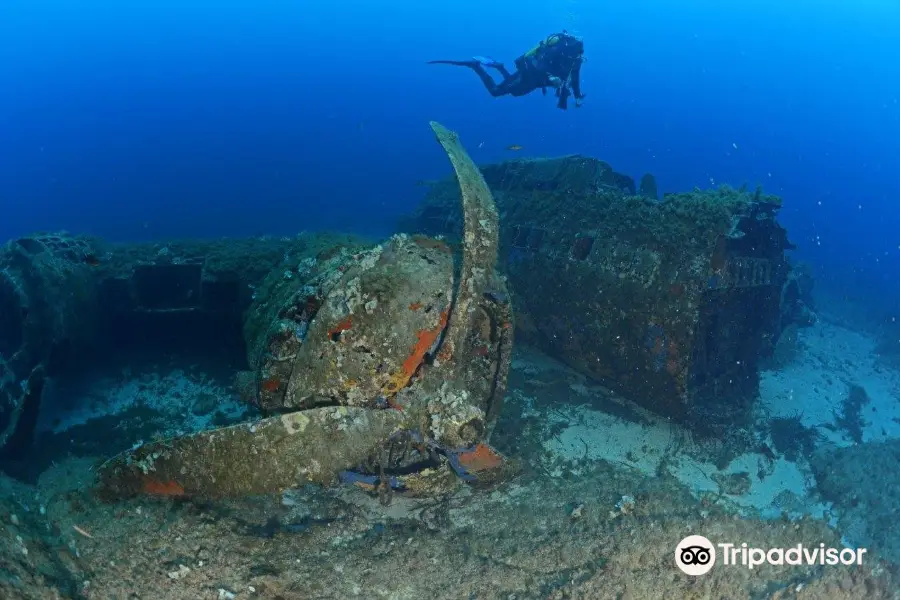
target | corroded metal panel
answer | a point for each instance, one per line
(672, 302)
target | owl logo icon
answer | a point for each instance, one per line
(695, 555)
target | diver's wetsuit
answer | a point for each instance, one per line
(554, 63)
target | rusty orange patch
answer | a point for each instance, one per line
(415, 306)
(425, 340)
(154, 487)
(481, 458)
(342, 326)
(271, 385)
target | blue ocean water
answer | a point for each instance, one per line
(152, 121)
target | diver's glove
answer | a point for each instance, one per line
(579, 100)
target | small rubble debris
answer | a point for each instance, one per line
(577, 512)
(624, 507)
(180, 573)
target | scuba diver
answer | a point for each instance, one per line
(554, 63)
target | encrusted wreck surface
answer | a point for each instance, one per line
(60, 294)
(672, 302)
(48, 308)
(380, 362)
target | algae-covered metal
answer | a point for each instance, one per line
(47, 311)
(252, 458)
(62, 295)
(384, 362)
(365, 324)
(672, 302)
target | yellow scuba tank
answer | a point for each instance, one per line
(551, 40)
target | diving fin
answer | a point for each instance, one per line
(487, 61)
(474, 62)
(458, 63)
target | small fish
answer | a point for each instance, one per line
(515, 147)
(82, 531)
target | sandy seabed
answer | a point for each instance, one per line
(605, 494)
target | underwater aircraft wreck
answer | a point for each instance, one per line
(671, 302)
(384, 366)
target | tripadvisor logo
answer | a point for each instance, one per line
(696, 555)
